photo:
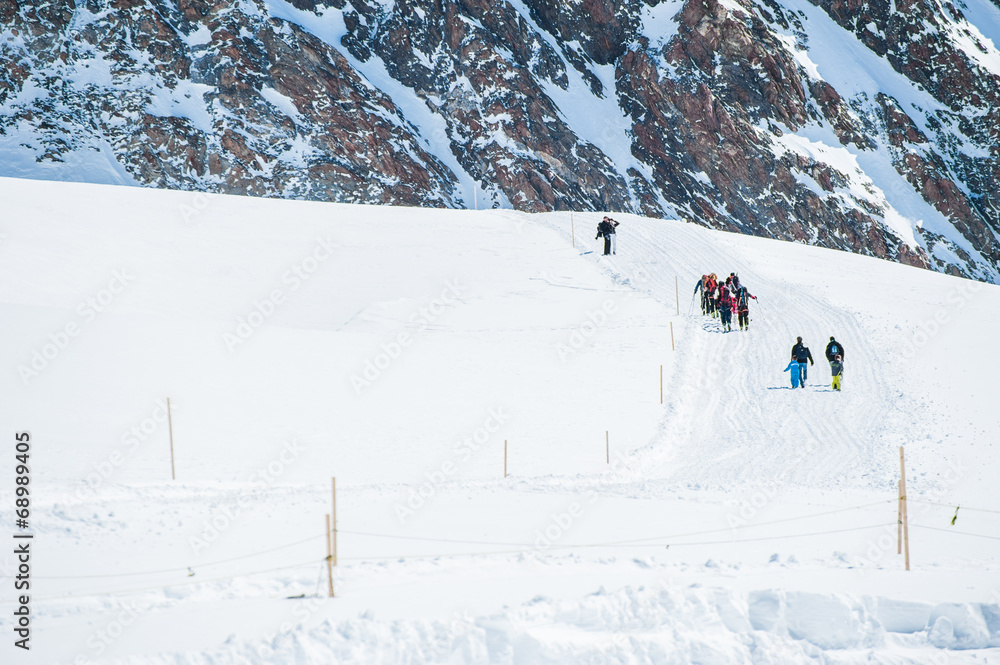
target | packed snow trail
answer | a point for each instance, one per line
(731, 419)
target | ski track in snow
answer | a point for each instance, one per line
(740, 425)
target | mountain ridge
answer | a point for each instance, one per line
(845, 126)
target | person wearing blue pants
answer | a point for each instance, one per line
(802, 355)
(793, 367)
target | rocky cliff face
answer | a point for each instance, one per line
(865, 126)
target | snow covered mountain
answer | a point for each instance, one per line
(512, 485)
(872, 127)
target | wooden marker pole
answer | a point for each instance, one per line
(902, 499)
(671, 335)
(329, 556)
(899, 519)
(170, 426)
(505, 458)
(334, 514)
(677, 296)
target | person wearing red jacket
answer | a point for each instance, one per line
(726, 305)
(709, 293)
(723, 292)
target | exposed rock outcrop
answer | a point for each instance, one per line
(711, 110)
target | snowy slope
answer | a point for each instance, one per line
(738, 522)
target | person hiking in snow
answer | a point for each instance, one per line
(607, 237)
(735, 281)
(700, 286)
(743, 305)
(837, 370)
(709, 294)
(834, 349)
(706, 293)
(793, 367)
(726, 305)
(712, 295)
(802, 355)
(724, 294)
(614, 235)
(606, 230)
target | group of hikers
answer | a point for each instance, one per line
(801, 356)
(723, 299)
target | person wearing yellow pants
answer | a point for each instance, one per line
(837, 369)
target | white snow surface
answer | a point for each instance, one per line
(401, 351)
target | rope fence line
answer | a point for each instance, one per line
(962, 533)
(521, 548)
(636, 541)
(953, 505)
(439, 556)
(180, 568)
(158, 587)
(756, 524)
(526, 547)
